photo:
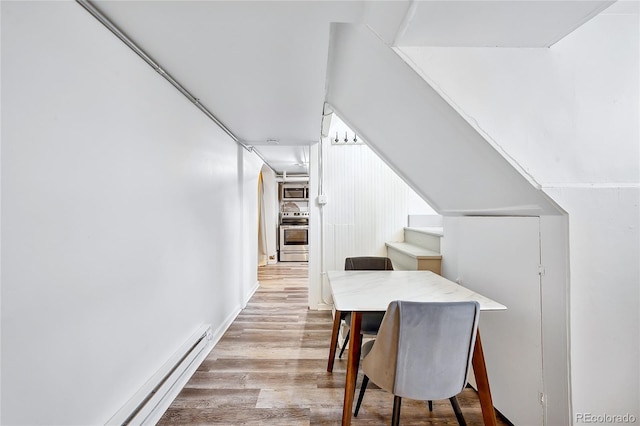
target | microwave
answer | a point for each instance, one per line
(294, 191)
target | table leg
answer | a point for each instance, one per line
(482, 381)
(353, 362)
(334, 340)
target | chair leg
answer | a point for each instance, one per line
(363, 388)
(395, 419)
(344, 345)
(456, 409)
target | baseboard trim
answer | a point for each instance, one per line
(148, 405)
(323, 307)
(250, 294)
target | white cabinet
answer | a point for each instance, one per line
(499, 257)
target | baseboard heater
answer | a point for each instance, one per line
(151, 401)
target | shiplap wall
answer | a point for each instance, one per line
(368, 204)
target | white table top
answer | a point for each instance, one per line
(374, 290)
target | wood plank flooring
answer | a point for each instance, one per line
(270, 369)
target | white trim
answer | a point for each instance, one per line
(323, 307)
(157, 379)
(217, 335)
(165, 399)
(250, 294)
(156, 406)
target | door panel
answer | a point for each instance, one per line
(499, 257)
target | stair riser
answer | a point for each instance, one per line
(403, 262)
(428, 241)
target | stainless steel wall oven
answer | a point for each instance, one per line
(294, 237)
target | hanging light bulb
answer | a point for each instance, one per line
(346, 139)
(355, 138)
(336, 140)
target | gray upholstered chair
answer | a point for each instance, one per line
(423, 351)
(370, 320)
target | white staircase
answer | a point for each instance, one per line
(420, 135)
(420, 250)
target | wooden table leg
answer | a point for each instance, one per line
(334, 340)
(482, 381)
(353, 362)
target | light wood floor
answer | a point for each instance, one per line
(270, 369)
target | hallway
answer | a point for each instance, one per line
(270, 368)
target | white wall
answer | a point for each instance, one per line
(568, 116)
(120, 224)
(368, 205)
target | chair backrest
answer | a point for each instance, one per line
(368, 263)
(423, 349)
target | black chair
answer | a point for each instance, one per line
(368, 263)
(370, 320)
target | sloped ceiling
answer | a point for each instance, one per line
(438, 153)
(260, 66)
(535, 23)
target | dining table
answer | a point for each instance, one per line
(372, 291)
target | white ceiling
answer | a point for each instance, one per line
(260, 66)
(523, 23)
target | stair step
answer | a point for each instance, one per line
(436, 231)
(428, 238)
(407, 256)
(412, 250)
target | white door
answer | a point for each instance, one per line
(499, 257)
